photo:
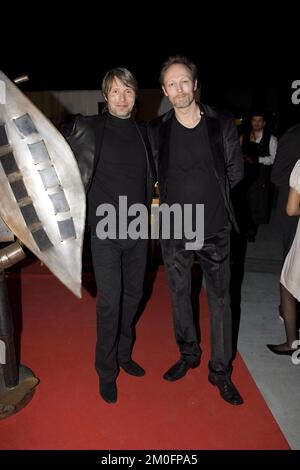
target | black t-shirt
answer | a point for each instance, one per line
(121, 169)
(191, 177)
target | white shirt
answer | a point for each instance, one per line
(269, 159)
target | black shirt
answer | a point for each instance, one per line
(121, 169)
(191, 177)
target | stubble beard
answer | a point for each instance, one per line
(182, 101)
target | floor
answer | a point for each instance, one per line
(276, 376)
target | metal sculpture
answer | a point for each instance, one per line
(42, 204)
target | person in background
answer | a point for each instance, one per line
(286, 158)
(259, 148)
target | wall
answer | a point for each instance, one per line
(57, 104)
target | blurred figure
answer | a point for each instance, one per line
(287, 155)
(286, 158)
(259, 148)
(290, 274)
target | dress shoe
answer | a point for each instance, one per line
(281, 352)
(178, 370)
(108, 391)
(226, 388)
(132, 368)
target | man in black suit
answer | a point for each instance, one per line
(113, 158)
(198, 160)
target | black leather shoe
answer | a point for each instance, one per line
(226, 388)
(281, 352)
(108, 391)
(178, 370)
(132, 368)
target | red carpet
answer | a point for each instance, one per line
(66, 412)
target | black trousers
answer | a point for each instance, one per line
(119, 267)
(214, 261)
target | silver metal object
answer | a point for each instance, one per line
(6, 235)
(41, 192)
(11, 255)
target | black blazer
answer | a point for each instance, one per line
(85, 136)
(227, 155)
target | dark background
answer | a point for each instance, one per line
(247, 60)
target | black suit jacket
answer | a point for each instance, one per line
(85, 136)
(227, 155)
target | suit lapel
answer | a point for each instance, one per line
(164, 148)
(99, 133)
(216, 144)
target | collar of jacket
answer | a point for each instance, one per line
(214, 133)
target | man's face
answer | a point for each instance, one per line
(179, 86)
(120, 99)
(257, 123)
